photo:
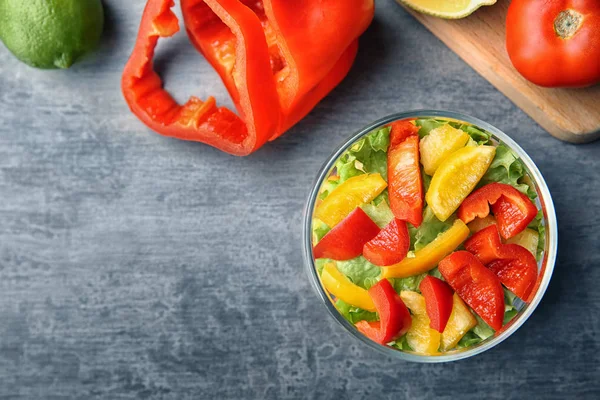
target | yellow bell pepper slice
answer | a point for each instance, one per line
(420, 336)
(481, 223)
(341, 287)
(460, 322)
(439, 144)
(429, 256)
(456, 178)
(354, 192)
(528, 239)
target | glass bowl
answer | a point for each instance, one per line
(545, 265)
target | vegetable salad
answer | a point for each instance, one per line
(427, 237)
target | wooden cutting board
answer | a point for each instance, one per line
(572, 115)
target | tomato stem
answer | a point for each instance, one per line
(567, 23)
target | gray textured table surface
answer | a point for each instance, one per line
(137, 266)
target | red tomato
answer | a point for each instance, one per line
(394, 317)
(390, 246)
(513, 210)
(405, 187)
(555, 43)
(438, 301)
(514, 265)
(476, 285)
(346, 240)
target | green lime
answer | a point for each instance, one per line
(50, 33)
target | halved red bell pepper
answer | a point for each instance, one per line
(390, 246)
(514, 265)
(394, 317)
(438, 301)
(405, 186)
(244, 42)
(479, 287)
(255, 94)
(346, 240)
(513, 210)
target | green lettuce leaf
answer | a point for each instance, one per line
(383, 196)
(320, 263)
(482, 329)
(477, 134)
(380, 139)
(541, 242)
(436, 272)
(327, 187)
(320, 229)
(401, 344)
(537, 225)
(509, 313)
(430, 228)
(349, 169)
(469, 339)
(509, 297)
(509, 309)
(360, 271)
(426, 180)
(381, 214)
(354, 314)
(411, 283)
(368, 155)
(508, 168)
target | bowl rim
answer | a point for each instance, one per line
(544, 201)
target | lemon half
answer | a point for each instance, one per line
(451, 9)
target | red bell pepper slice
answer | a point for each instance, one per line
(479, 287)
(394, 317)
(485, 244)
(405, 186)
(513, 216)
(346, 240)
(229, 24)
(390, 246)
(517, 271)
(514, 265)
(401, 130)
(513, 210)
(438, 301)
